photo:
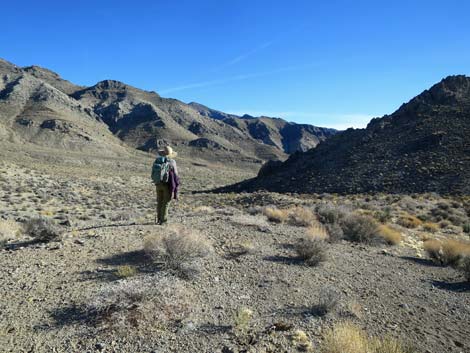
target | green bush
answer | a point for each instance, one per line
(361, 229)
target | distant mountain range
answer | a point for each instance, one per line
(38, 106)
(422, 147)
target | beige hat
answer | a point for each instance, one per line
(167, 151)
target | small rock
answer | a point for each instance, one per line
(100, 346)
(79, 241)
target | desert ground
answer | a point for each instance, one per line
(244, 286)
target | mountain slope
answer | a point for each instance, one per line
(423, 146)
(34, 111)
(38, 106)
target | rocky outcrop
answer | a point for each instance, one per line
(423, 147)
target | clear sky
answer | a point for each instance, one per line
(328, 63)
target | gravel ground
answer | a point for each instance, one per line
(106, 208)
(394, 292)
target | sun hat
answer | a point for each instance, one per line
(167, 151)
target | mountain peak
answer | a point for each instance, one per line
(111, 84)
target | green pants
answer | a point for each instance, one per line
(163, 202)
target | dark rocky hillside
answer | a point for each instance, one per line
(423, 147)
(38, 106)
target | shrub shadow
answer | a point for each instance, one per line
(131, 258)
(420, 261)
(452, 286)
(70, 315)
(137, 259)
(288, 260)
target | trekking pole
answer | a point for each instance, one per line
(156, 205)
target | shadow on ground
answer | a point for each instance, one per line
(288, 260)
(452, 286)
(420, 261)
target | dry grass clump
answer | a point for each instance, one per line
(9, 229)
(301, 341)
(348, 338)
(389, 235)
(317, 231)
(431, 227)
(301, 216)
(126, 271)
(409, 221)
(131, 303)
(42, 229)
(345, 337)
(177, 249)
(448, 251)
(361, 229)
(276, 215)
(312, 248)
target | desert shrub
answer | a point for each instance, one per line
(335, 232)
(242, 320)
(444, 211)
(9, 229)
(384, 216)
(346, 337)
(328, 300)
(129, 303)
(448, 251)
(311, 248)
(361, 229)
(301, 341)
(331, 214)
(464, 267)
(42, 229)
(126, 271)
(431, 227)
(409, 204)
(177, 249)
(409, 221)
(301, 216)
(275, 214)
(466, 228)
(389, 235)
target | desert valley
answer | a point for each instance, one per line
(285, 238)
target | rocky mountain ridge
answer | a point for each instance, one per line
(38, 106)
(422, 147)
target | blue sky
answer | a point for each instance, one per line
(327, 63)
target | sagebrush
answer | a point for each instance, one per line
(177, 248)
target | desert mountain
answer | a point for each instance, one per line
(422, 147)
(38, 106)
(35, 108)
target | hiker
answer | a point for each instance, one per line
(166, 180)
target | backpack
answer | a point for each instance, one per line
(161, 170)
